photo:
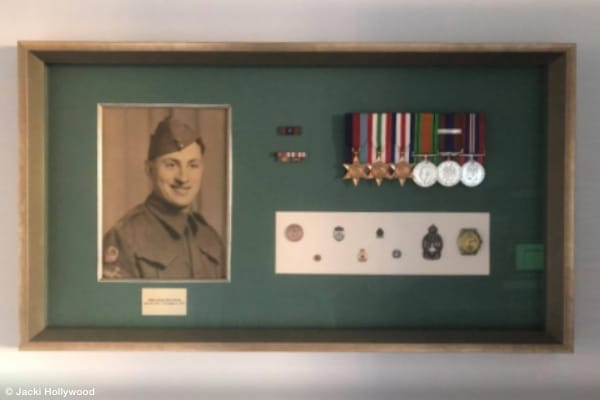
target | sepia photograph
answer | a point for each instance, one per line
(164, 192)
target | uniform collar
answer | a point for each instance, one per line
(173, 218)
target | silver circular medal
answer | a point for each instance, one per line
(425, 174)
(448, 173)
(472, 173)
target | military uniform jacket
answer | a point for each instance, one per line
(155, 241)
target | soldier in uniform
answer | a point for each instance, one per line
(163, 238)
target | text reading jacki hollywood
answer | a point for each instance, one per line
(50, 392)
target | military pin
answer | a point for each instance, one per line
(432, 244)
(425, 173)
(294, 232)
(472, 173)
(469, 241)
(317, 257)
(362, 255)
(379, 233)
(448, 173)
(338, 233)
(396, 253)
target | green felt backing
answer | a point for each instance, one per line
(317, 98)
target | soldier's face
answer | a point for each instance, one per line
(176, 177)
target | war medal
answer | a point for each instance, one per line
(469, 241)
(432, 244)
(294, 233)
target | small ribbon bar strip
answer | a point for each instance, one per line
(290, 156)
(290, 130)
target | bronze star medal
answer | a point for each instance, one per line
(402, 171)
(355, 171)
(379, 170)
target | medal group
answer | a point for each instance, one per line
(429, 148)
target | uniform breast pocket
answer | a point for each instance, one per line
(154, 265)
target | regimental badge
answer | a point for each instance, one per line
(396, 253)
(469, 241)
(379, 233)
(111, 255)
(362, 255)
(294, 232)
(338, 233)
(432, 244)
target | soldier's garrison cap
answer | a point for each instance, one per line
(172, 135)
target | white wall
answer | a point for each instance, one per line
(306, 375)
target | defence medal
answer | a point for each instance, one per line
(425, 173)
(425, 146)
(469, 241)
(432, 244)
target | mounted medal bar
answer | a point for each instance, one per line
(429, 148)
(290, 156)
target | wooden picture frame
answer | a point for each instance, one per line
(558, 60)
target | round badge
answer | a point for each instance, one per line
(338, 233)
(396, 253)
(294, 232)
(317, 257)
(425, 173)
(469, 241)
(448, 173)
(472, 173)
(111, 254)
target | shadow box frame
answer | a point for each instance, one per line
(558, 59)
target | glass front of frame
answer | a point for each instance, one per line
(317, 99)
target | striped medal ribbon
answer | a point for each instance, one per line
(472, 171)
(425, 148)
(450, 144)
